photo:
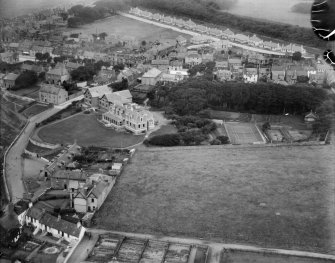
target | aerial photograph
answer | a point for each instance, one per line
(167, 131)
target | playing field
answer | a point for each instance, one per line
(243, 133)
(279, 197)
(123, 26)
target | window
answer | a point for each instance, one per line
(92, 200)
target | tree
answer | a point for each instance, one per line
(25, 80)
(118, 67)
(296, 56)
(103, 35)
(74, 22)
(64, 16)
(83, 73)
(223, 139)
(39, 56)
(266, 126)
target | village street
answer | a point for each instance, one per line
(13, 162)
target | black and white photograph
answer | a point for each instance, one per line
(167, 131)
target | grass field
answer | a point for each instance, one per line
(275, 197)
(87, 131)
(165, 129)
(242, 133)
(35, 109)
(123, 26)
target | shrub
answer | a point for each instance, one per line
(216, 142)
(165, 140)
(223, 139)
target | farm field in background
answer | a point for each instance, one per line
(123, 26)
(274, 197)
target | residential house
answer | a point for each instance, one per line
(190, 25)
(255, 41)
(56, 226)
(94, 94)
(228, 34)
(181, 40)
(151, 77)
(240, 38)
(207, 57)
(21, 208)
(224, 75)
(311, 117)
(215, 32)
(201, 29)
(193, 59)
(278, 73)
(85, 38)
(70, 180)
(200, 39)
(57, 75)
(13, 47)
(180, 22)
(61, 161)
(264, 73)
(10, 228)
(318, 78)
(292, 48)
(221, 45)
(70, 66)
(91, 196)
(291, 76)
(105, 76)
(130, 117)
(119, 97)
(235, 64)
(271, 46)
(221, 63)
(9, 80)
(161, 64)
(50, 93)
(176, 65)
(128, 74)
(250, 75)
(9, 57)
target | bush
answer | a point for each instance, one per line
(216, 142)
(165, 140)
(223, 139)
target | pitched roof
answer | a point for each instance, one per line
(35, 213)
(152, 73)
(124, 93)
(311, 115)
(98, 189)
(116, 98)
(51, 89)
(11, 76)
(61, 225)
(59, 71)
(99, 91)
(71, 175)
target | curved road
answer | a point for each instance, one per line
(13, 168)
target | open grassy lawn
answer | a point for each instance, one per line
(123, 26)
(270, 196)
(87, 131)
(165, 129)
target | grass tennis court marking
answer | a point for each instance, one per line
(243, 133)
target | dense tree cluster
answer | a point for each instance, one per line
(326, 114)
(25, 80)
(86, 73)
(194, 95)
(208, 12)
(85, 15)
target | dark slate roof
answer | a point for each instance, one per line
(61, 225)
(35, 213)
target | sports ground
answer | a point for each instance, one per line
(279, 197)
(243, 133)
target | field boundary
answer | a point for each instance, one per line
(236, 247)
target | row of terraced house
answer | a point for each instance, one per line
(223, 34)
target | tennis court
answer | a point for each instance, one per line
(243, 133)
